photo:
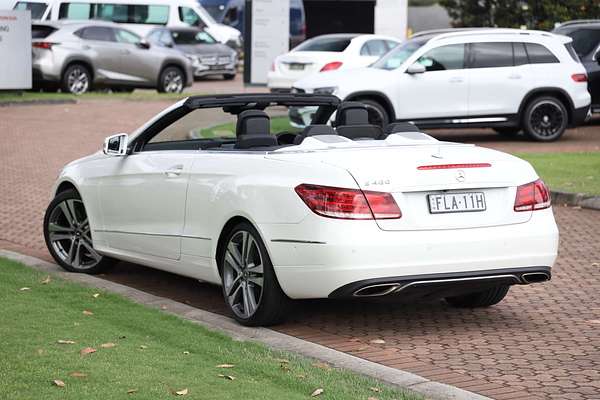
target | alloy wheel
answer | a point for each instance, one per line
(78, 81)
(243, 271)
(547, 118)
(70, 237)
(173, 82)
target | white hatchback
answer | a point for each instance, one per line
(506, 79)
(327, 53)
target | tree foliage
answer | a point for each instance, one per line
(534, 14)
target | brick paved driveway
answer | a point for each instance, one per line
(542, 342)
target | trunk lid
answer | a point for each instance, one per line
(395, 169)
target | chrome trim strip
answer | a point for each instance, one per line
(296, 241)
(484, 119)
(150, 234)
(474, 278)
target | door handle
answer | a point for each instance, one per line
(456, 79)
(174, 171)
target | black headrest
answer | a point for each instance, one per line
(314, 130)
(397, 127)
(351, 113)
(253, 122)
(365, 131)
(253, 129)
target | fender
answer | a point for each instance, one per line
(374, 94)
(562, 95)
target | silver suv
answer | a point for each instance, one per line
(77, 56)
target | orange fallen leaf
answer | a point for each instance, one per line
(322, 365)
(59, 383)
(181, 392)
(61, 341)
(96, 295)
(107, 345)
(225, 366)
(317, 392)
(46, 280)
(87, 350)
(78, 374)
(228, 377)
(87, 312)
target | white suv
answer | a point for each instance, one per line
(506, 79)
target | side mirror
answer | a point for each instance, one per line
(416, 68)
(116, 145)
(143, 44)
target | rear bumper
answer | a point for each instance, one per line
(581, 115)
(314, 259)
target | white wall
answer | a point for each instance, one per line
(15, 50)
(390, 17)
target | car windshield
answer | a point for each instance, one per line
(334, 44)
(191, 37)
(37, 9)
(398, 55)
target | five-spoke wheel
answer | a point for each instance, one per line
(68, 235)
(250, 287)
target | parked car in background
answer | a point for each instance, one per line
(327, 53)
(137, 15)
(506, 79)
(586, 42)
(78, 56)
(231, 12)
(208, 57)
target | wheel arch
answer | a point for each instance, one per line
(376, 96)
(64, 186)
(86, 63)
(559, 93)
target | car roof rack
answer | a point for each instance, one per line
(491, 31)
(236, 103)
(577, 22)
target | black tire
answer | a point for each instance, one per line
(81, 257)
(508, 131)
(171, 80)
(229, 77)
(377, 112)
(76, 79)
(272, 304)
(545, 119)
(486, 298)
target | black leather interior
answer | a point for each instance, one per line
(253, 129)
(314, 130)
(352, 121)
(396, 127)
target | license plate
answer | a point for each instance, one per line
(296, 66)
(456, 202)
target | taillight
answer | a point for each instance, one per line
(532, 196)
(331, 66)
(579, 77)
(343, 203)
(43, 45)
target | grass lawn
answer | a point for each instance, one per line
(278, 124)
(137, 95)
(148, 352)
(567, 172)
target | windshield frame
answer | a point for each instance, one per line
(417, 43)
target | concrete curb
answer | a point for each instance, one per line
(576, 199)
(37, 102)
(398, 378)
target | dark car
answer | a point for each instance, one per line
(231, 12)
(207, 56)
(586, 42)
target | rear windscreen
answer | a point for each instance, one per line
(325, 44)
(41, 31)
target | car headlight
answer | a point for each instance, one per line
(325, 90)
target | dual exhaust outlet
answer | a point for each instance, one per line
(384, 289)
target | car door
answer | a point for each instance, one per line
(140, 63)
(99, 41)
(498, 81)
(441, 91)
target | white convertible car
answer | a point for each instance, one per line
(341, 209)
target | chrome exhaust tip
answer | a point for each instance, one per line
(376, 290)
(535, 277)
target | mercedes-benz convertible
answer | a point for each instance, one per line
(224, 189)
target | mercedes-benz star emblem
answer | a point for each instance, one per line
(460, 175)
